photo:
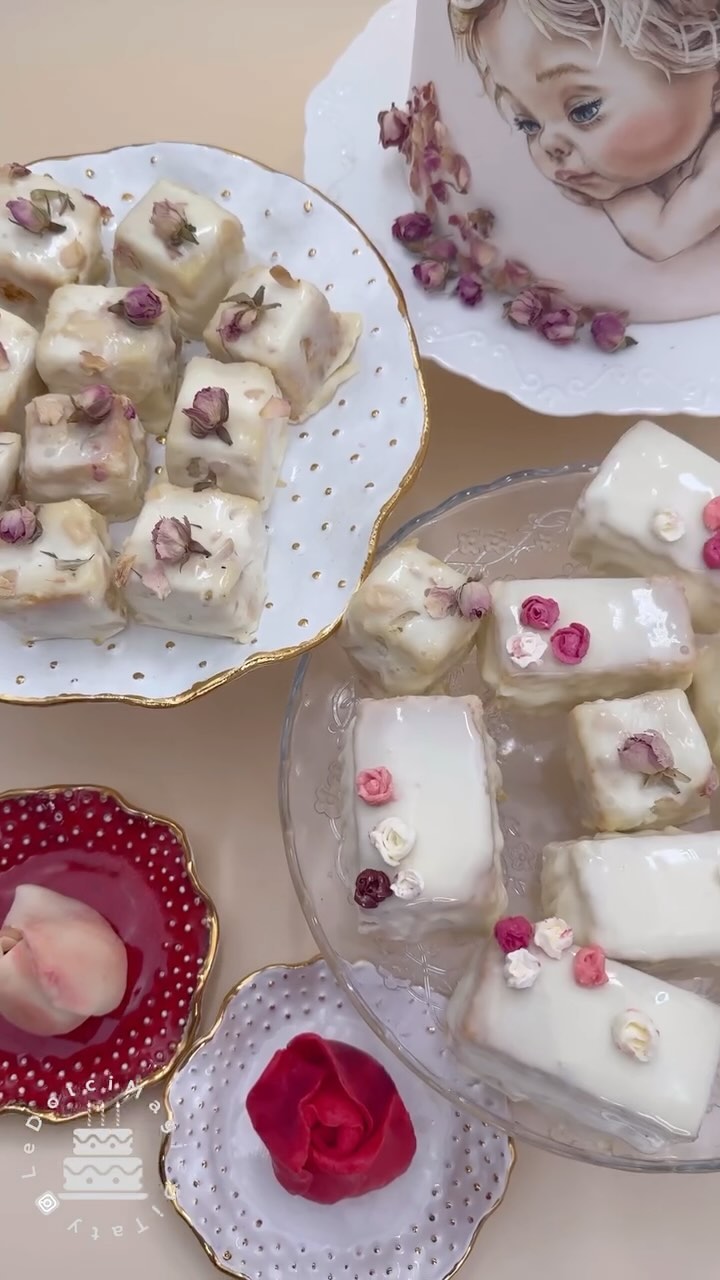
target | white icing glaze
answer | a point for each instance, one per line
(104, 464)
(301, 340)
(613, 799)
(445, 780)
(201, 274)
(650, 470)
(10, 445)
(83, 343)
(33, 266)
(640, 638)
(554, 1046)
(642, 898)
(221, 595)
(20, 381)
(251, 464)
(388, 633)
(41, 598)
(705, 695)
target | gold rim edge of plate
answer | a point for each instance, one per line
(189, 1053)
(185, 1043)
(291, 651)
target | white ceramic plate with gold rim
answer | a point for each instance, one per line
(344, 469)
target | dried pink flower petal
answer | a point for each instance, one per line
(4, 359)
(92, 405)
(209, 413)
(19, 524)
(140, 306)
(473, 599)
(106, 213)
(276, 407)
(511, 276)
(649, 754)
(11, 172)
(173, 541)
(394, 126)
(245, 313)
(470, 289)
(560, 326)
(441, 250)
(571, 643)
(170, 225)
(441, 602)
(431, 275)
(156, 580)
(527, 309)
(608, 331)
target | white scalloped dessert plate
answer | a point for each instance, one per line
(672, 370)
(344, 469)
(219, 1177)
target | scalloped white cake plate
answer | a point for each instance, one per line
(344, 469)
(672, 370)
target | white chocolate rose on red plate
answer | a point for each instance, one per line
(50, 235)
(288, 326)
(184, 244)
(60, 963)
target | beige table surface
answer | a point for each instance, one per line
(88, 74)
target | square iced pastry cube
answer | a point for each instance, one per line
(653, 507)
(89, 446)
(705, 695)
(19, 380)
(559, 641)
(56, 573)
(10, 445)
(639, 762)
(50, 235)
(195, 562)
(643, 898)
(184, 244)
(125, 338)
(633, 1056)
(404, 629)
(288, 326)
(420, 785)
(229, 428)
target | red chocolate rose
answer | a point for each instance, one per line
(332, 1120)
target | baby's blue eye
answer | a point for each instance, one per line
(585, 112)
(527, 125)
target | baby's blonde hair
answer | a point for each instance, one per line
(678, 36)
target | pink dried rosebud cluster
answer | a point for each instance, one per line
(141, 306)
(570, 644)
(170, 225)
(375, 786)
(19, 524)
(173, 541)
(418, 133)
(539, 612)
(513, 933)
(93, 405)
(209, 412)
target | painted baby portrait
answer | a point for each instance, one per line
(619, 104)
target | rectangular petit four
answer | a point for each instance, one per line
(19, 380)
(653, 507)
(90, 446)
(639, 762)
(411, 621)
(616, 1050)
(10, 446)
(420, 785)
(642, 898)
(56, 573)
(195, 562)
(127, 339)
(184, 244)
(288, 326)
(50, 235)
(229, 428)
(556, 642)
(705, 695)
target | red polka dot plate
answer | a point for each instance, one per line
(137, 870)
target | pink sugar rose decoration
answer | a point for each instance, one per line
(571, 643)
(589, 967)
(711, 515)
(375, 786)
(512, 933)
(711, 552)
(539, 612)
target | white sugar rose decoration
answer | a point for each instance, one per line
(553, 936)
(393, 839)
(635, 1034)
(521, 969)
(407, 886)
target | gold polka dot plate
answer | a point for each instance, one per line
(345, 467)
(219, 1176)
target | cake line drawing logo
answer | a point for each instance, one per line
(102, 1165)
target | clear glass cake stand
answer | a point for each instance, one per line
(515, 527)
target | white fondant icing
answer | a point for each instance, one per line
(705, 695)
(10, 445)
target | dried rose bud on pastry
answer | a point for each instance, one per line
(50, 235)
(184, 244)
(332, 1120)
(287, 325)
(60, 963)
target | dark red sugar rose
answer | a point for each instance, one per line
(371, 888)
(332, 1120)
(512, 933)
